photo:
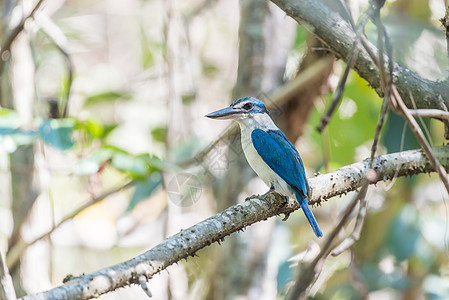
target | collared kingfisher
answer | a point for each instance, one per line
(268, 151)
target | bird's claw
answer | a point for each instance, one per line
(260, 197)
(263, 197)
(286, 216)
(252, 197)
(268, 202)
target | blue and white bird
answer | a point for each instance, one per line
(268, 151)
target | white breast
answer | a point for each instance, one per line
(256, 162)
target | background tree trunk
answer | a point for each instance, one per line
(18, 93)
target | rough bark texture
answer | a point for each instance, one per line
(187, 242)
(329, 27)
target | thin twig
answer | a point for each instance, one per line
(430, 113)
(347, 9)
(424, 126)
(421, 139)
(359, 283)
(350, 64)
(6, 46)
(17, 250)
(60, 41)
(385, 78)
(386, 82)
(355, 235)
(445, 22)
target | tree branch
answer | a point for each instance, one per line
(339, 36)
(235, 218)
(445, 22)
(430, 113)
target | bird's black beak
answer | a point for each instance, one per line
(225, 113)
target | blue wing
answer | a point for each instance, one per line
(283, 158)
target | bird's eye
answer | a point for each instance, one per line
(247, 106)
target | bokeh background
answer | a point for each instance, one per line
(135, 79)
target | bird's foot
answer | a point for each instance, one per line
(268, 202)
(252, 197)
(263, 196)
(270, 191)
(286, 216)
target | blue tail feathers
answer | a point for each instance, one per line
(309, 215)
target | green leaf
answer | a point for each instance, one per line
(136, 166)
(359, 105)
(148, 58)
(57, 133)
(93, 162)
(188, 98)
(404, 234)
(147, 54)
(24, 137)
(284, 276)
(301, 36)
(94, 128)
(156, 164)
(9, 118)
(107, 97)
(376, 279)
(394, 129)
(187, 149)
(10, 142)
(11, 136)
(107, 129)
(209, 69)
(159, 134)
(8, 131)
(144, 189)
(91, 127)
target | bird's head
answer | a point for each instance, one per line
(240, 109)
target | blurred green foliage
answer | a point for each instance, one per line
(58, 133)
(352, 125)
(106, 97)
